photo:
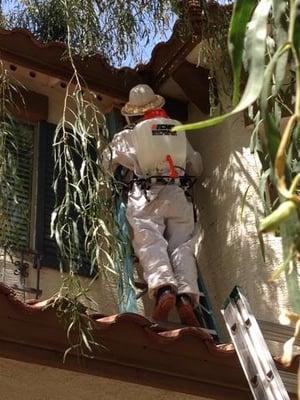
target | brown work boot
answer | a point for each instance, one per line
(165, 301)
(185, 311)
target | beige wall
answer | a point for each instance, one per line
(229, 252)
(21, 381)
(104, 290)
(50, 87)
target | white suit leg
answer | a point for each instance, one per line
(150, 246)
(180, 229)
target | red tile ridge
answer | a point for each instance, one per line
(97, 56)
(292, 367)
(31, 306)
(27, 33)
(162, 337)
(124, 317)
(117, 322)
(144, 322)
(56, 44)
(154, 53)
(188, 331)
(106, 322)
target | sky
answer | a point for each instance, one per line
(143, 51)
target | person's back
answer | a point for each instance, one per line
(159, 151)
(161, 217)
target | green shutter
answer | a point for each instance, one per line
(19, 208)
(114, 121)
(49, 246)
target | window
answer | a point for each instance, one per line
(20, 214)
(31, 217)
(33, 186)
(45, 244)
(36, 166)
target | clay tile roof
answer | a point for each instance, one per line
(21, 47)
(132, 349)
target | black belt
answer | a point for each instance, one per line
(146, 183)
(164, 180)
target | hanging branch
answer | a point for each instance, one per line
(112, 27)
(10, 181)
(83, 222)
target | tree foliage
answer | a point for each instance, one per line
(264, 37)
(112, 27)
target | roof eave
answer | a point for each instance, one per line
(184, 360)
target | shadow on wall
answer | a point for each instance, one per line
(229, 253)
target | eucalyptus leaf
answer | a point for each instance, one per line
(257, 32)
(271, 130)
(240, 17)
(259, 235)
(262, 189)
(296, 30)
(280, 11)
(244, 201)
(255, 141)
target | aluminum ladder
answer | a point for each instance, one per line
(257, 363)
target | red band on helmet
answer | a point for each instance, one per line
(159, 112)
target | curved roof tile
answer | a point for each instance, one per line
(185, 359)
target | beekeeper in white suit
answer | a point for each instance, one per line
(158, 211)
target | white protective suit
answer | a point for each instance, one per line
(162, 223)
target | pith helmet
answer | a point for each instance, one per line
(142, 99)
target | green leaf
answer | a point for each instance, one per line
(262, 188)
(202, 124)
(284, 265)
(86, 342)
(280, 11)
(272, 131)
(241, 14)
(273, 135)
(281, 214)
(259, 235)
(255, 142)
(256, 48)
(296, 140)
(67, 352)
(244, 201)
(296, 30)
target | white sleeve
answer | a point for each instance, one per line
(120, 151)
(194, 165)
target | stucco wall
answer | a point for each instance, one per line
(229, 251)
(104, 291)
(35, 382)
(49, 86)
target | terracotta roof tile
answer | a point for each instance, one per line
(171, 359)
(20, 46)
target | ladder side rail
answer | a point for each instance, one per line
(270, 370)
(238, 334)
(258, 365)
